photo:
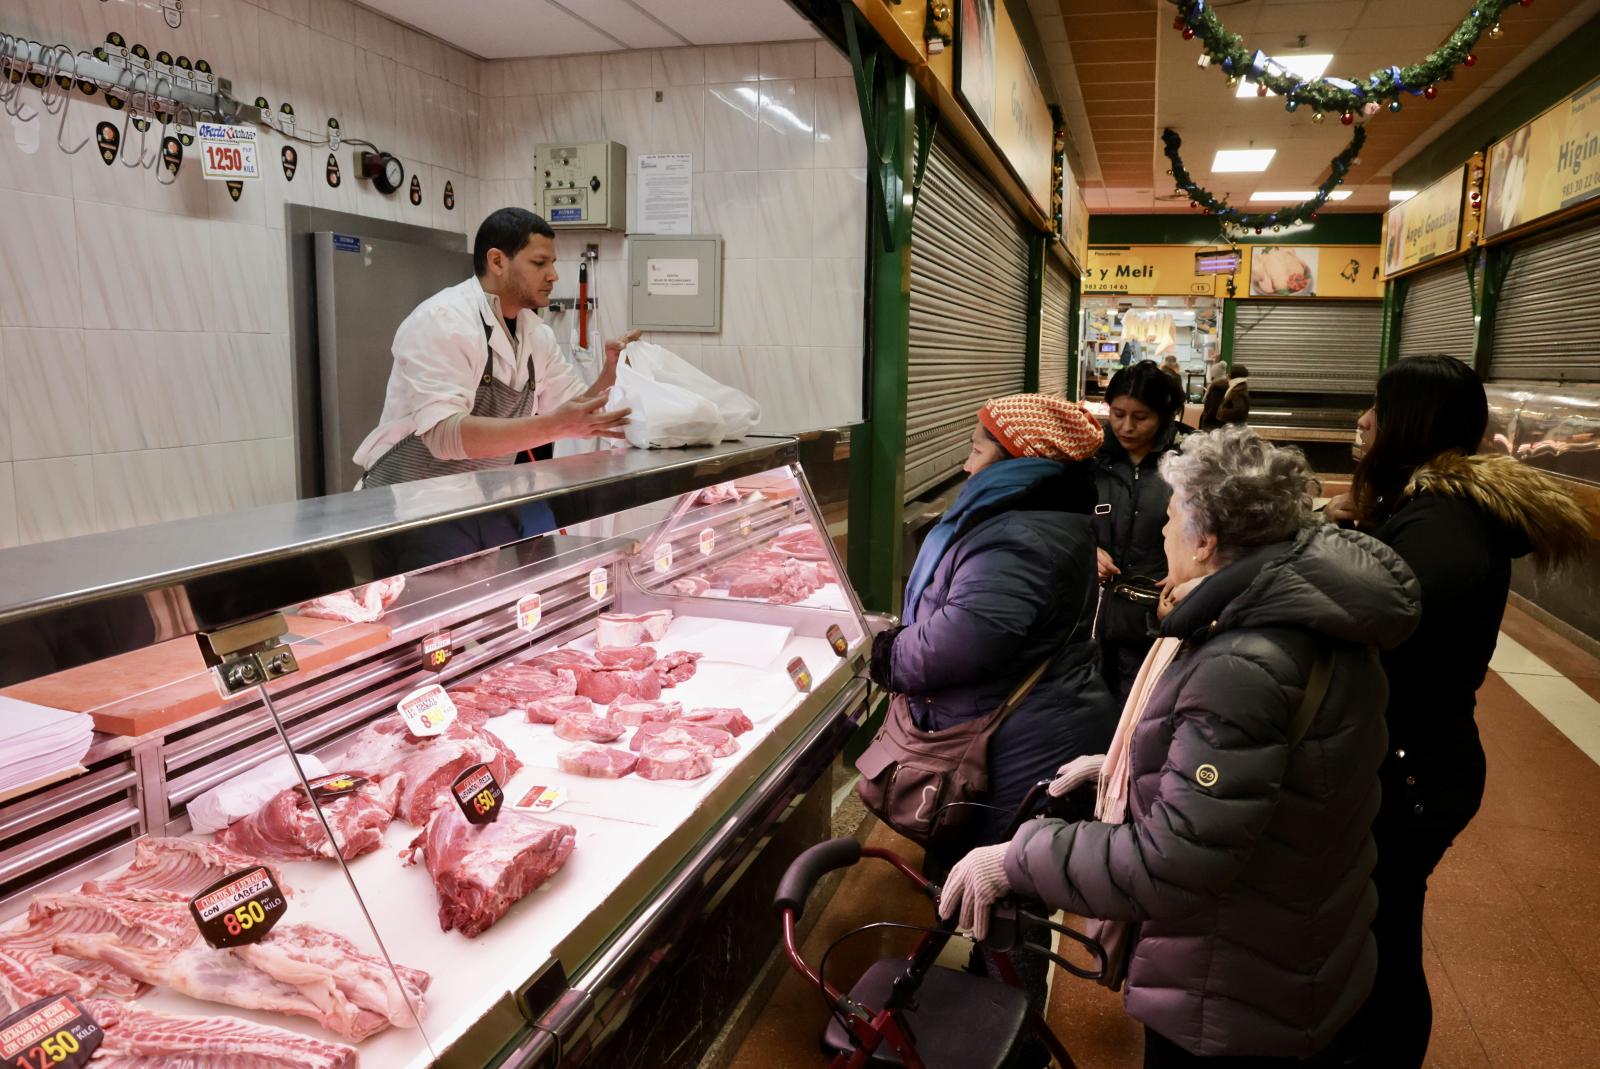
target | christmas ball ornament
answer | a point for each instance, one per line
(1431, 91)
(1290, 104)
(1347, 118)
(1261, 90)
(1232, 82)
(1495, 32)
(1471, 60)
(1313, 217)
(1525, 3)
(1258, 230)
(1370, 108)
(1188, 33)
(1276, 229)
(1394, 105)
(1194, 204)
(1317, 117)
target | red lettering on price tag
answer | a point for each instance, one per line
(478, 794)
(239, 909)
(52, 1033)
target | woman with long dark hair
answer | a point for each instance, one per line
(1145, 405)
(1458, 518)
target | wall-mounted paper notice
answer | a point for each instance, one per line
(672, 278)
(666, 193)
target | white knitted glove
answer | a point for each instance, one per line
(1075, 773)
(976, 883)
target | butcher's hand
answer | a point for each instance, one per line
(615, 346)
(1105, 565)
(973, 887)
(587, 418)
(1075, 773)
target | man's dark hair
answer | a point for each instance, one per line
(1238, 371)
(508, 230)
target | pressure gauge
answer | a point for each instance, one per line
(387, 173)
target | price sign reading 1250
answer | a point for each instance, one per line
(53, 1033)
(228, 152)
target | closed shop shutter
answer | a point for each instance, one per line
(969, 313)
(1547, 321)
(1309, 346)
(1053, 330)
(1436, 318)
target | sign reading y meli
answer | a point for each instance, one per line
(1551, 163)
(1426, 226)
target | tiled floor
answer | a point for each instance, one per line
(1513, 923)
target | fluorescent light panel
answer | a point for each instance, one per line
(1295, 196)
(1398, 195)
(1238, 160)
(1306, 67)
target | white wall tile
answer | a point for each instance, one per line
(249, 276)
(831, 62)
(840, 218)
(627, 70)
(526, 76)
(39, 280)
(133, 391)
(733, 63)
(786, 214)
(728, 203)
(5, 404)
(48, 384)
(575, 74)
(788, 61)
(838, 375)
(29, 159)
(8, 508)
(732, 127)
(54, 498)
(678, 66)
(129, 488)
(839, 140)
(376, 33)
(837, 298)
(785, 287)
(788, 125)
(574, 117)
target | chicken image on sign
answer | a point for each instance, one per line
(1283, 271)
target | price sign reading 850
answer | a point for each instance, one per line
(53, 1033)
(478, 794)
(239, 909)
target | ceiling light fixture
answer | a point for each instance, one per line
(1398, 195)
(1294, 196)
(1239, 160)
(1307, 68)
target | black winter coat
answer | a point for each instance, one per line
(1245, 860)
(1128, 524)
(1007, 594)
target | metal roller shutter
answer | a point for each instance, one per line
(1053, 343)
(1309, 346)
(1547, 321)
(1436, 318)
(969, 313)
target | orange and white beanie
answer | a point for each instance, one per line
(1040, 425)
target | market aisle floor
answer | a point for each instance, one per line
(1513, 924)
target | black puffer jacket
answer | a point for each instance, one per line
(1008, 593)
(1253, 892)
(1128, 525)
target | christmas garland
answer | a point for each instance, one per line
(1199, 197)
(1196, 19)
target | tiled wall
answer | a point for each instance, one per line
(144, 351)
(779, 163)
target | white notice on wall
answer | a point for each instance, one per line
(672, 278)
(666, 190)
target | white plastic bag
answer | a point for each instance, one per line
(674, 403)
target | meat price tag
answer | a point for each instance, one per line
(53, 1033)
(708, 542)
(327, 788)
(530, 610)
(744, 527)
(599, 583)
(227, 152)
(239, 909)
(800, 674)
(437, 650)
(427, 710)
(478, 795)
(836, 639)
(541, 799)
(664, 558)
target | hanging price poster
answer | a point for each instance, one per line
(228, 152)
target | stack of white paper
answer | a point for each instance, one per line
(36, 742)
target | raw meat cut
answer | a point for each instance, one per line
(177, 868)
(588, 727)
(297, 969)
(607, 686)
(652, 737)
(631, 712)
(674, 762)
(566, 658)
(143, 923)
(627, 657)
(733, 721)
(477, 707)
(138, 1039)
(287, 828)
(716, 495)
(691, 585)
(552, 709)
(480, 872)
(771, 575)
(614, 629)
(529, 681)
(676, 667)
(359, 605)
(804, 543)
(592, 759)
(429, 765)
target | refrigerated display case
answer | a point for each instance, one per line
(279, 644)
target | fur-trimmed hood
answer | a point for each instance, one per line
(1538, 516)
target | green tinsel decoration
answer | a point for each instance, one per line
(1230, 216)
(1340, 96)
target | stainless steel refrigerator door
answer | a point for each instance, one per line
(365, 288)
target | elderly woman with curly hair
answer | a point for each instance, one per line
(1230, 864)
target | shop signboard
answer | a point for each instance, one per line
(996, 82)
(1145, 270)
(1546, 166)
(1074, 216)
(1322, 271)
(1426, 226)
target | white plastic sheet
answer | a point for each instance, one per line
(676, 404)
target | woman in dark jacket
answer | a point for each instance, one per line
(1244, 857)
(1004, 581)
(1227, 400)
(1459, 520)
(1145, 407)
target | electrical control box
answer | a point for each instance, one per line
(582, 185)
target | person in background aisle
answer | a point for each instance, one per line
(1145, 406)
(1003, 581)
(1342, 509)
(1169, 364)
(1459, 519)
(1233, 837)
(1228, 400)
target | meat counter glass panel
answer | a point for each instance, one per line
(504, 757)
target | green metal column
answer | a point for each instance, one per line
(1230, 312)
(1394, 299)
(1074, 339)
(1030, 365)
(899, 134)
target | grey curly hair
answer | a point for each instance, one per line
(1240, 488)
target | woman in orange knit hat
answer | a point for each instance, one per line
(1004, 581)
